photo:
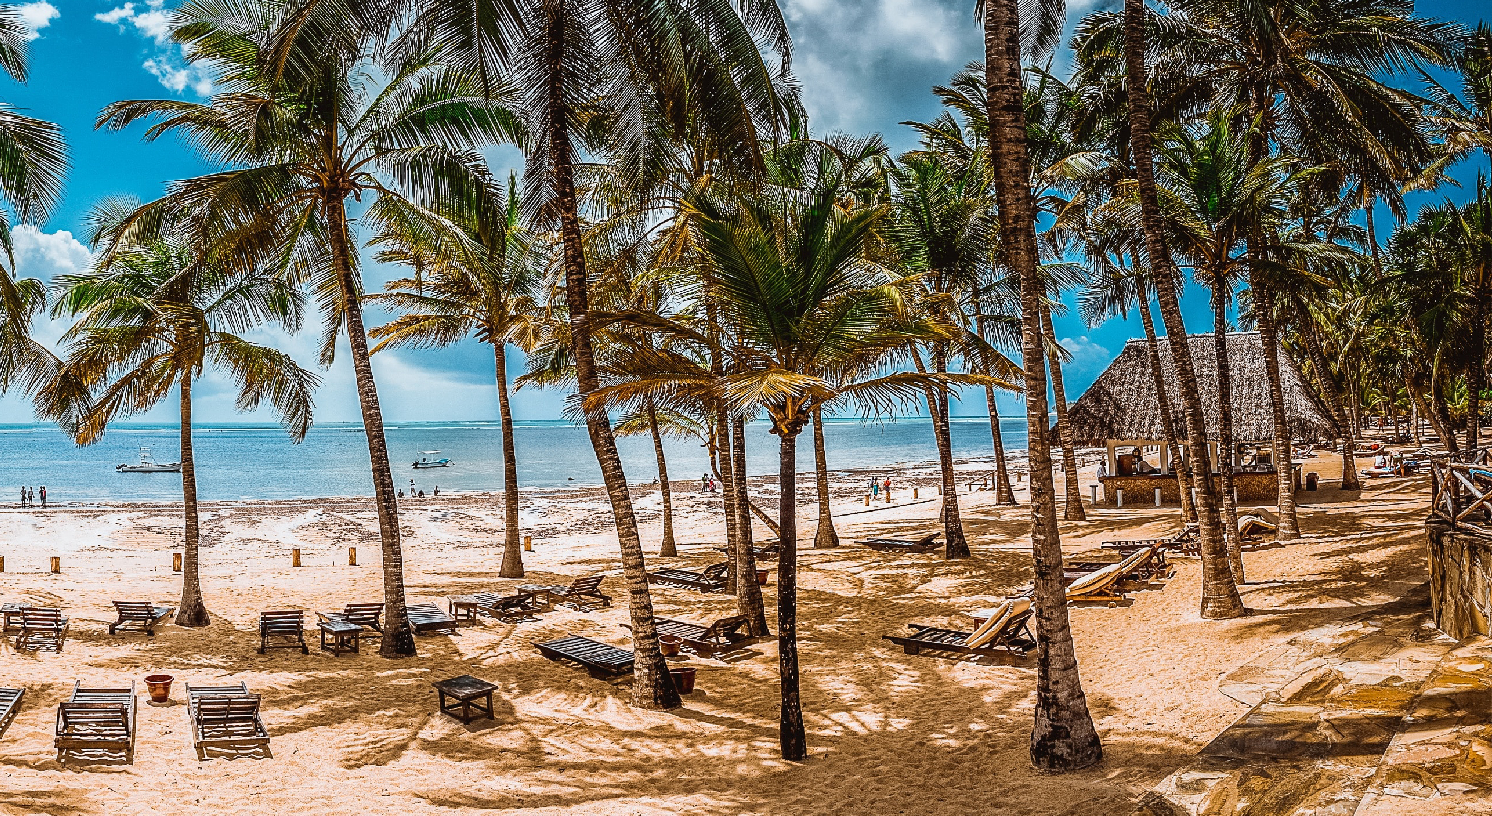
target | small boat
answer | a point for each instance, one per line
(427, 460)
(149, 465)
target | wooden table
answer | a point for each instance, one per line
(463, 608)
(343, 636)
(8, 613)
(466, 693)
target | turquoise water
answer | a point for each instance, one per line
(259, 462)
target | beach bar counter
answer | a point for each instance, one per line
(1121, 412)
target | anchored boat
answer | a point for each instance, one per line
(149, 465)
(428, 460)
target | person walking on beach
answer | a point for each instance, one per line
(23, 495)
(888, 488)
(875, 488)
(43, 495)
(704, 483)
(437, 490)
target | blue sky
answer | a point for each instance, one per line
(865, 66)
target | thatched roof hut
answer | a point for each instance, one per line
(1121, 403)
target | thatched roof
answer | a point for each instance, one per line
(1121, 403)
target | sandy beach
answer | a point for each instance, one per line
(888, 733)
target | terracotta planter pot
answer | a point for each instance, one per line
(669, 645)
(160, 687)
(683, 678)
(761, 577)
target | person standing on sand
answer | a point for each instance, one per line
(888, 488)
(875, 488)
(23, 495)
(43, 495)
(437, 490)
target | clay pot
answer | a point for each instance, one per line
(669, 645)
(683, 678)
(159, 686)
(761, 577)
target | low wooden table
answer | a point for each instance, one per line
(466, 693)
(338, 636)
(463, 608)
(9, 613)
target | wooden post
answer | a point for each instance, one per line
(56, 564)
(1093, 493)
(867, 499)
(1157, 497)
(176, 562)
(914, 493)
(295, 557)
(528, 543)
(352, 556)
(1119, 497)
(2, 563)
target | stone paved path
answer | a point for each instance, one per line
(1380, 715)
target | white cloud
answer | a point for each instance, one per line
(168, 64)
(1089, 359)
(37, 16)
(46, 254)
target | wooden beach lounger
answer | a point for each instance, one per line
(286, 626)
(41, 627)
(925, 544)
(582, 593)
(710, 579)
(427, 617)
(768, 550)
(719, 636)
(226, 718)
(1007, 631)
(142, 613)
(1102, 585)
(366, 615)
(10, 703)
(97, 720)
(519, 605)
(596, 657)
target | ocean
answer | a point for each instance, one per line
(260, 462)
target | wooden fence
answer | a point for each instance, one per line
(1461, 492)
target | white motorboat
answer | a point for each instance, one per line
(149, 465)
(428, 459)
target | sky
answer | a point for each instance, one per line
(865, 66)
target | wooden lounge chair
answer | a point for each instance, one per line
(582, 593)
(769, 549)
(719, 636)
(10, 703)
(366, 615)
(598, 658)
(710, 579)
(1102, 585)
(142, 613)
(925, 544)
(286, 626)
(97, 720)
(519, 605)
(1008, 631)
(226, 718)
(41, 627)
(427, 617)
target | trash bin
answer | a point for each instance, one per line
(1310, 481)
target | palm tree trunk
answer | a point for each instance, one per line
(1179, 466)
(1340, 415)
(1225, 429)
(726, 471)
(1476, 376)
(512, 565)
(1219, 594)
(1062, 736)
(956, 545)
(825, 538)
(1074, 491)
(192, 612)
(748, 591)
(1289, 525)
(652, 686)
(1004, 493)
(669, 548)
(791, 735)
(398, 637)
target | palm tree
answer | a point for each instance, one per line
(650, 421)
(151, 317)
(472, 279)
(825, 537)
(1220, 597)
(1063, 737)
(310, 111)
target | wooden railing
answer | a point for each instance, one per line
(1461, 492)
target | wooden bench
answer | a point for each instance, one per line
(582, 593)
(719, 636)
(287, 626)
(142, 613)
(225, 718)
(427, 617)
(10, 703)
(598, 658)
(97, 721)
(41, 627)
(710, 579)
